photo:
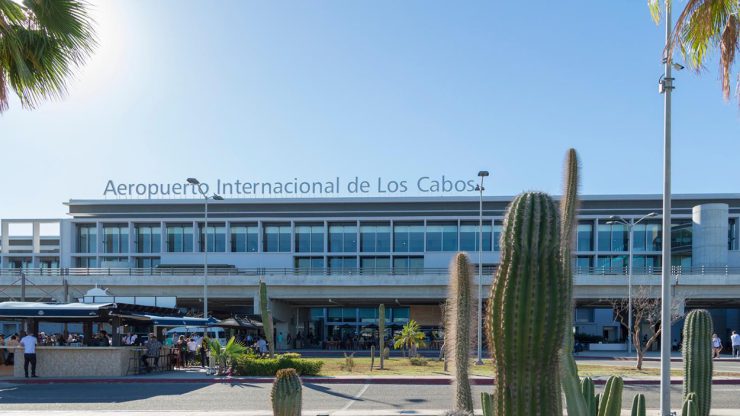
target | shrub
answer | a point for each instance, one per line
(418, 360)
(248, 366)
(349, 362)
(291, 355)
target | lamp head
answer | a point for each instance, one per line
(652, 214)
(677, 66)
(193, 181)
(483, 173)
(217, 197)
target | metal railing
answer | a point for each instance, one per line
(325, 271)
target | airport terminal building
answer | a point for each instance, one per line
(328, 262)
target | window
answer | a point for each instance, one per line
(216, 238)
(653, 237)
(408, 264)
(87, 238)
(114, 262)
(244, 238)
(86, 262)
(304, 264)
(148, 239)
(179, 238)
(732, 234)
(147, 262)
(375, 238)
(309, 238)
(339, 314)
(49, 263)
(584, 263)
(368, 315)
(342, 238)
(277, 238)
(613, 264)
(342, 264)
(613, 237)
(115, 238)
(372, 265)
(585, 240)
(584, 315)
(408, 237)
(399, 314)
(645, 263)
(19, 262)
(441, 237)
(469, 236)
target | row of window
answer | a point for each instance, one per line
(376, 263)
(615, 237)
(309, 238)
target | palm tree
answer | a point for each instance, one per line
(41, 43)
(705, 25)
(224, 357)
(410, 337)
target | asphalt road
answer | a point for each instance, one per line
(326, 399)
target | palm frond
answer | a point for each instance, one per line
(654, 7)
(728, 46)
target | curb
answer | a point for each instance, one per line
(313, 380)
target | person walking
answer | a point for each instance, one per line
(29, 353)
(716, 346)
(735, 340)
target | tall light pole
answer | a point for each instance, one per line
(630, 225)
(215, 197)
(666, 87)
(482, 174)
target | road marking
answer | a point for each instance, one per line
(354, 398)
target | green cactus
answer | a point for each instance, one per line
(526, 304)
(266, 318)
(457, 333)
(611, 400)
(381, 335)
(697, 359)
(690, 406)
(286, 393)
(638, 405)
(372, 357)
(589, 396)
(486, 401)
(574, 400)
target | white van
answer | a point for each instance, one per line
(213, 333)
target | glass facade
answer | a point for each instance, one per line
(244, 238)
(408, 264)
(613, 237)
(179, 238)
(87, 238)
(441, 236)
(342, 264)
(115, 238)
(216, 238)
(343, 238)
(114, 262)
(408, 237)
(148, 239)
(276, 238)
(309, 238)
(86, 262)
(585, 239)
(147, 262)
(309, 263)
(375, 237)
(469, 237)
(375, 264)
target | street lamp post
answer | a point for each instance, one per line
(215, 197)
(482, 174)
(630, 225)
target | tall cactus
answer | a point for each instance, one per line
(457, 333)
(690, 407)
(697, 359)
(286, 393)
(589, 396)
(638, 405)
(527, 312)
(611, 399)
(574, 401)
(266, 318)
(381, 333)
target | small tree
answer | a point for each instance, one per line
(410, 338)
(646, 310)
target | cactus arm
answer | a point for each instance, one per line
(638, 405)
(611, 403)
(486, 400)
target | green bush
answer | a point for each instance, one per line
(418, 360)
(291, 355)
(249, 366)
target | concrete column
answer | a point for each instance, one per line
(36, 237)
(710, 230)
(5, 232)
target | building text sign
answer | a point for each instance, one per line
(334, 187)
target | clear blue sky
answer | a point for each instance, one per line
(274, 90)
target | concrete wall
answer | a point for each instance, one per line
(710, 228)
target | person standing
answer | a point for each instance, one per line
(2, 349)
(192, 349)
(262, 346)
(716, 346)
(12, 344)
(29, 353)
(153, 347)
(735, 339)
